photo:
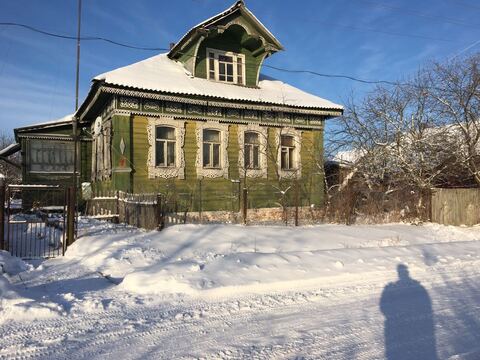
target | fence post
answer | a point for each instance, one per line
(159, 211)
(200, 200)
(2, 213)
(70, 216)
(117, 205)
(296, 202)
(245, 205)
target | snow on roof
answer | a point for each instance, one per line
(214, 18)
(347, 157)
(9, 150)
(66, 118)
(159, 73)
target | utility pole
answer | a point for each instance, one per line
(78, 52)
(70, 221)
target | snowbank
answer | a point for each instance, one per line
(14, 305)
(221, 260)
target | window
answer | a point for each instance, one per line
(211, 148)
(165, 146)
(252, 160)
(51, 156)
(289, 144)
(287, 152)
(226, 67)
(252, 150)
(166, 157)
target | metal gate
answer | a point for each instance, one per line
(37, 221)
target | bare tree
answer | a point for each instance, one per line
(398, 140)
(10, 166)
(455, 89)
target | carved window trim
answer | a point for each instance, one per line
(262, 172)
(296, 172)
(213, 66)
(178, 170)
(211, 172)
(102, 151)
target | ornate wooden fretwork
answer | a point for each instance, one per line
(214, 111)
(296, 172)
(225, 104)
(178, 170)
(228, 112)
(129, 103)
(263, 137)
(208, 172)
(233, 113)
(194, 109)
(150, 105)
(250, 114)
(268, 116)
(174, 107)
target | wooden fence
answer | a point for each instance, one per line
(456, 206)
(140, 210)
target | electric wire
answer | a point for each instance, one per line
(296, 71)
(97, 38)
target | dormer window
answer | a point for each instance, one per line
(226, 67)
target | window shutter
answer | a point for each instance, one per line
(108, 149)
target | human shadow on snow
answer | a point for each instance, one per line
(409, 324)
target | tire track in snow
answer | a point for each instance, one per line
(147, 326)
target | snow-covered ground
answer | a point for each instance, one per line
(227, 291)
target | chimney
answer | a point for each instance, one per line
(172, 45)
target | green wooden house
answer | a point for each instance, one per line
(48, 152)
(201, 121)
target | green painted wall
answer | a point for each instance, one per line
(122, 163)
(234, 38)
(225, 42)
(217, 193)
(84, 160)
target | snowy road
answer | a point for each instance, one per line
(229, 292)
(342, 322)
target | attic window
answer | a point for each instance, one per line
(226, 67)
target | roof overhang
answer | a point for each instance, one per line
(211, 23)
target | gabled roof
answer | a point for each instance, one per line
(10, 150)
(161, 74)
(67, 119)
(239, 6)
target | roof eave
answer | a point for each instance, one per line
(338, 110)
(238, 6)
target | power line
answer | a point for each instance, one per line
(85, 38)
(421, 14)
(96, 38)
(365, 29)
(297, 71)
(386, 82)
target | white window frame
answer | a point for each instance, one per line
(165, 147)
(211, 146)
(207, 172)
(216, 68)
(166, 172)
(296, 171)
(262, 171)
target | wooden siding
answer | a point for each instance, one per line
(64, 179)
(220, 193)
(231, 40)
(456, 206)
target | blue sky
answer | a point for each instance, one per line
(368, 39)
